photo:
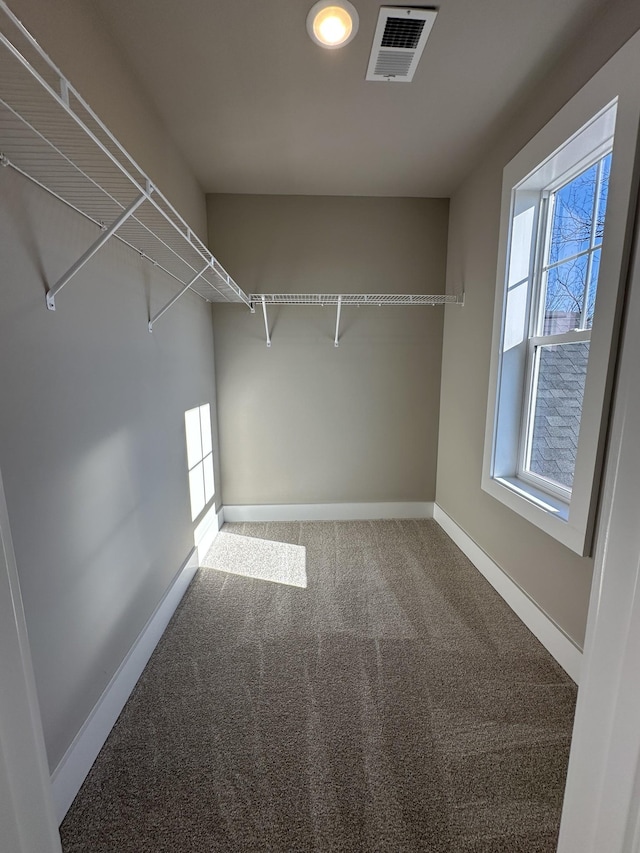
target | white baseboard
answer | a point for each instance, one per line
(329, 512)
(207, 531)
(552, 637)
(72, 770)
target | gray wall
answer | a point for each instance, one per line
(557, 580)
(304, 422)
(92, 445)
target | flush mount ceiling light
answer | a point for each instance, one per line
(332, 24)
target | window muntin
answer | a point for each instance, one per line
(572, 221)
(199, 457)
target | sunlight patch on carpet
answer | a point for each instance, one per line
(262, 559)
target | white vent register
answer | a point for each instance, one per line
(399, 40)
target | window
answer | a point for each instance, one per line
(199, 458)
(572, 218)
(567, 202)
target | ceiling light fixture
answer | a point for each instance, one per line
(332, 24)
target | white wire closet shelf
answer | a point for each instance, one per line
(340, 299)
(379, 299)
(49, 134)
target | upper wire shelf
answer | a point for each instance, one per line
(49, 134)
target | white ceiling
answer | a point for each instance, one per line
(256, 107)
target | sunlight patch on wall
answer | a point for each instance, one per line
(262, 559)
(199, 457)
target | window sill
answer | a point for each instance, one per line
(549, 514)
(546, 502)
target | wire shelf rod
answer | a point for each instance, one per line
(175, 299)
(170, 249)
(5, 161)
(206, 256)
(91, 251)
(60, 153)
(157, 265)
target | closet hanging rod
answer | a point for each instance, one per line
(49, 134)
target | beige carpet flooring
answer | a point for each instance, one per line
(385, 699)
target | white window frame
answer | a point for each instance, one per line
(536, 337)
(578, 135)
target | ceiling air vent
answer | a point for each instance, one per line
(398, 43)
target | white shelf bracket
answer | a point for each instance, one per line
(91, 251)
(266, 322)
(336, 342)
(173, 301)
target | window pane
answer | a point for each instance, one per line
(205, 423)
(196, 490)
(557, 411)
(209, 488)
(564, 296)
(572, 216)
(194, 444)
